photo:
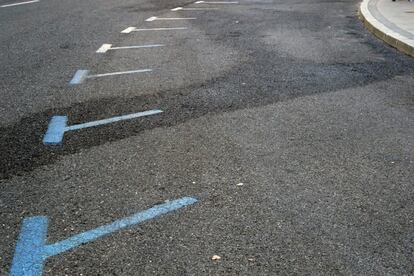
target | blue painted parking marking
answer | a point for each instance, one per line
(58, 125)
(55, 131)
(32, 249)
(81, 75)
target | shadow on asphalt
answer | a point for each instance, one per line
(21, 143)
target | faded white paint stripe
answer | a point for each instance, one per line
(137, 47)
(18, 4)
(216, 2)
(119, 73)
(113, 120)
(157, 29)
(104, 48)
(154, 18)
(193, 9)
(128, 30)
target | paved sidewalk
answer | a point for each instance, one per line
(391, 21)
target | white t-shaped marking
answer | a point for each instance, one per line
(134, 29)
(106, 47)
(153, 18)
(218, 2)
(192, 9)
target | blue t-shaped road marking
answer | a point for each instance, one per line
(32, 250)
(58, 125)
(55, 130)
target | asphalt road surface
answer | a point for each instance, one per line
(290, 124)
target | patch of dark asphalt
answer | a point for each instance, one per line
(265, 78)
(21, 143)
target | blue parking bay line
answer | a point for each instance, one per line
(79, 77)
(32, 249)
(58, 125)
(56, 130)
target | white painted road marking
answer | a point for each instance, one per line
(113, 120)
(221, 2)
(134, 29)
(120, 73)
(106, 47)
(193, 9)
(18, 4)
(81, 75)
(128, 30)
(153, 18)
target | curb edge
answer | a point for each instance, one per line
(382, 32)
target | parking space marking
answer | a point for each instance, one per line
(106, 47)
(218, 2)
(32, 249)
(134, 29)
(81, 75)
(193, 9)
(58, 125)
(120, 73)
(18, 4)
(154, 18)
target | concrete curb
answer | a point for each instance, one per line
(384, 33)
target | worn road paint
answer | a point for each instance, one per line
(193, 9)
(210, 2)
(55, 130)
(153, 18)
(120, 73)
(32, 249)
(81, 75)
(113, 119)
(106, 47)
(58, 125)
(134, 29)
(18, 4)
(128, 30)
